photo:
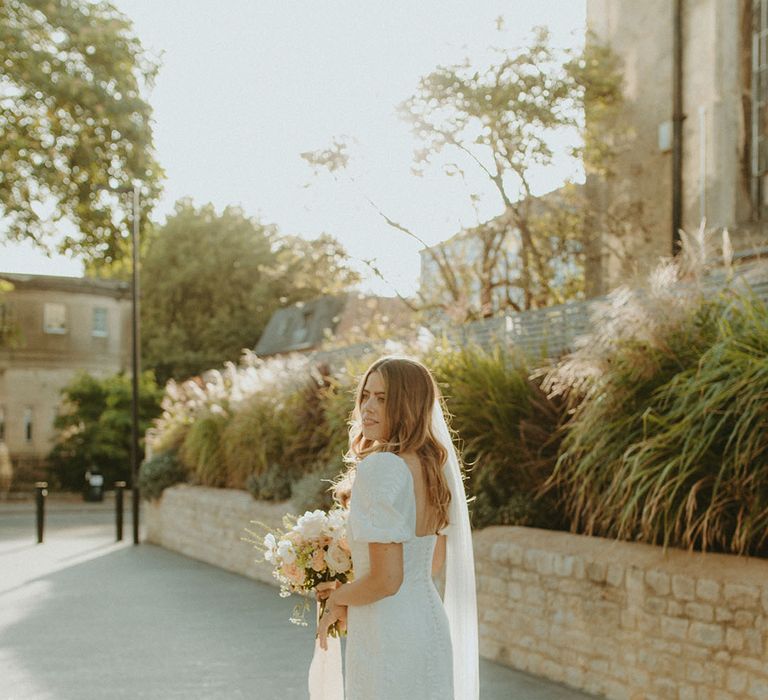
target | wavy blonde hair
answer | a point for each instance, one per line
(410, 393)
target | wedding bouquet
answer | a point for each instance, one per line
(309, 550)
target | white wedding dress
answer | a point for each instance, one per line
(398, 648)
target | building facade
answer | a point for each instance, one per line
(696, 144)
(53, 329)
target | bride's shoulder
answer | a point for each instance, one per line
(381, 466)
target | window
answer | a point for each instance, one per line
(55, 318)
(2, 423)
(100, 318)
(28, 424)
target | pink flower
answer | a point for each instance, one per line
(318, 560)
(338, 559)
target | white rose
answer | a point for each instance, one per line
(285, 551)
(337, 520)
(271, 544)
(337, 558)
(311, 524)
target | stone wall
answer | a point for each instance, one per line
(208, 524)
(618, 619)
(623, 619)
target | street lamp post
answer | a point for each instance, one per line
(135, 351)
(136, 363)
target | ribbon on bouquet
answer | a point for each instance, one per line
(326, 679)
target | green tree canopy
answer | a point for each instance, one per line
(94, 427)
(210, 283)
(73, 124)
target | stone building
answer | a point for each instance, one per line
(52, 329)
(696, 142)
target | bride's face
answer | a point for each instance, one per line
(372, 404)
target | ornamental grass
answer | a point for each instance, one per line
(667, 440)
(509, 433)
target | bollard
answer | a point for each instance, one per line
(41, 491)
(119, 487)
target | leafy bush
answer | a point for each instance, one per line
(509, 431)
(272, 484)
(158, 473)
(94, 427)
(313, 490)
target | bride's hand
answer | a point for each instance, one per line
(323, 590)
(334, 613)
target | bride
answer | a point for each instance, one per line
(408, 517)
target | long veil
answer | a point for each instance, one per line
(460, 597)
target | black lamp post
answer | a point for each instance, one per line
(136, 363)
(135, 352)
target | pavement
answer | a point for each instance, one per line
(83, 617)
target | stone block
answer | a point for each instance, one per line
(723, 615)
(708, 590)
(615, 575)
(734, 639)
(736, 680)
(563, 564)
(596, 571)
(757, 688)
(683, 587)
(674, 607)
(544, 563)
(706, 634)
(655, 605)
(753, 641)
(658, 581)
(700, 611)
(739, 596)
(743, 618)
(514, 590)
(674, 627)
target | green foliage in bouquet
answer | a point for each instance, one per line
(158, 473)
(509, 431)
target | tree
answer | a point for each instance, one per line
(73, 124)
(94, 427)
(498, 122)
(211, 282)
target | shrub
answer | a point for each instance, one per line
(667, 439)
(272, 484)
(201, 452)
(509, 433)
(158, 473)
(313, 490)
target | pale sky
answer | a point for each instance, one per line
(247, 85)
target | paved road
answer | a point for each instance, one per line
(85, 618)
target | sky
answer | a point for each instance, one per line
(246, 86)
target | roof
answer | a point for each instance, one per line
(300, 326)
(303, 326)
(76, 285)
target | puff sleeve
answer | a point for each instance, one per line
(383, 505)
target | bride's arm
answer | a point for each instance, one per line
(383, 580)
(438, 558)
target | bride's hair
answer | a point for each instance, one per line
(410, 394)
